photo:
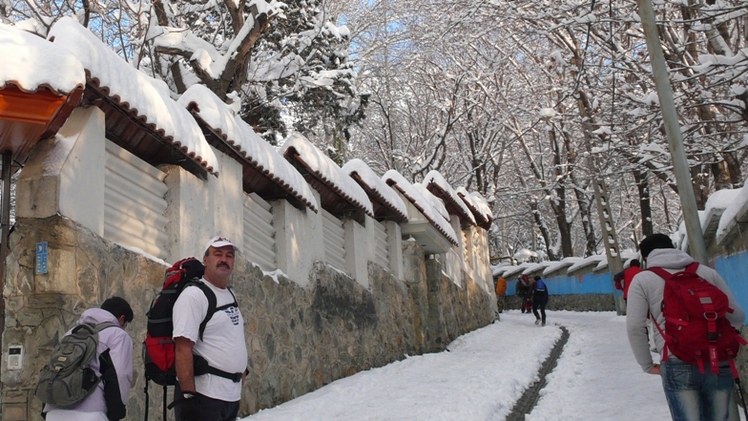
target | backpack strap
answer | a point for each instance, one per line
(665, 275)
(201, 365)
(211, 296)
(101, 326)
(662, 273)
(212, 304)
(692, 267)
(229, 305)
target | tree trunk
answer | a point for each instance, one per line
(645, 204)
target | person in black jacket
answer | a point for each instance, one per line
(524, 292)
(539, 300)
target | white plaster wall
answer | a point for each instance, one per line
(459, 252)
(65, 174)
(298, 240)
(482, 268)
(189, 214)
(395, 248)
(227, 201)
(358, 250)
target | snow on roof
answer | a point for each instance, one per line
(385, 193)
(713, 209)
(434, 177)
(249, 144)
(328, 171)
(434, 201)
(498, 270)
(135, 91)
(602, 264)
(517, 270)
(721, 199)
(534, 267)
(31, 62)
(736, 210)
(587, 261)
(557, 266)
(477, 203)
(395, 179)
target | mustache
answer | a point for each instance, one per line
(224, 264)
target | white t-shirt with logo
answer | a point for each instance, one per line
(223, 344)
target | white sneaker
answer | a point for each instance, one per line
(537, 321)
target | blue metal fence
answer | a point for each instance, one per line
(734, 270)
(589, 283)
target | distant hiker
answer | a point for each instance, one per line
(539, 300)
(627, 276)
(210, 367)
(524, 292)
(699, 390)
(618, 281)
(500, 293)
(112, 363)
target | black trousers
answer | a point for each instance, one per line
(210, 409)
(539, 302)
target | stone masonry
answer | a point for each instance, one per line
(299, 339)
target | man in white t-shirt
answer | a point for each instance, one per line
(211, 365)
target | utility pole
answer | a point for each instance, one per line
(675, 139)
(610, 239)
(672, 129)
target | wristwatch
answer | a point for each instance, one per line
(188, 395)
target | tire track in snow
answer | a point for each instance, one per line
(527, 402)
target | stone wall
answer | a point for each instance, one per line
(299, 338)
(570, 302)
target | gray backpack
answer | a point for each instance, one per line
(68, 378)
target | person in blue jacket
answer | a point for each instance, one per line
(539, 300)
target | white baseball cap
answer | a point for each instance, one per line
(218, 242)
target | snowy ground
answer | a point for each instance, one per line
(485, 372)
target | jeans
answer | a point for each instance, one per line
(693, 396)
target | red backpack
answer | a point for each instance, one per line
(696, 329)
(159, 347)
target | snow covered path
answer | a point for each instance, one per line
(485, 372)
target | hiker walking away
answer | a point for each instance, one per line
(628, 276)
(210, 369)
(500, 293)
(694, 391)
(113, 363)
(539, 300)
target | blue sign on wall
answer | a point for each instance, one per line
(41, 257)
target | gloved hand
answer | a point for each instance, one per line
(187, 407)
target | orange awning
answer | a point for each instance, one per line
(27, 117)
